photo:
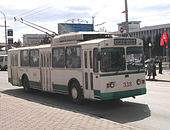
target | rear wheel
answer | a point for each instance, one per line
(76, 93)
(26, 85)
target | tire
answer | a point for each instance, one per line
(76, 93)
(26, 85)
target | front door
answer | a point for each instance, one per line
(88, 73)
(45, 70)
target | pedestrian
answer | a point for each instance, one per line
(153, 69)
(160, 66)
(148, 69)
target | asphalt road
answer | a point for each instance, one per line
(148, 112)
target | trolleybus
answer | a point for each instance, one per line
(3, 62)
(85, 65)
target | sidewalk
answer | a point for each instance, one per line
(19, 114)
(164, 77)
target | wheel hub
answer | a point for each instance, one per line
(74, 93)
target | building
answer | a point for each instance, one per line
(32, 39)
(133, 25)
(74, 27)
(144, 32)
(149, 34)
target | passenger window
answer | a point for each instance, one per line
(34, 58)
(90, 55)
(58, 57)
(85, 59)
(25, 58)
(95, 60)
(73, 57)
(15, 60)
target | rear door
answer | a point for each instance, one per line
(88, 73)
(45, 70)
(14, 69)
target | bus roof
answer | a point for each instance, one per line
(31, 47)
(80, 36)
(91, 41)
(4, 55)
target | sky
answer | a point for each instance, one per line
(107, 14)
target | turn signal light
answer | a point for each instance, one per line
(143, 81)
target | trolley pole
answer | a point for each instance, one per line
(126, 17)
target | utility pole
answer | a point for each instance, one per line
(126, 17)
(93, 22)
(6, 48)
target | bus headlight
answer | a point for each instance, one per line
(111, 85)
(138, 81)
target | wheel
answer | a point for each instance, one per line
(26, 85)
(76, 93)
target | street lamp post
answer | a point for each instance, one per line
(150, 47)
(6, 48)
(126, 17)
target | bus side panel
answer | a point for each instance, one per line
(61, 77)
(33, 75)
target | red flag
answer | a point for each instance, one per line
(166, 45)
(165, 36)
(162, 40)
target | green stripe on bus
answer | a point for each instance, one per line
(121, 94)
(35, 84)
(113, 74)
(97, 92)
(58, 87)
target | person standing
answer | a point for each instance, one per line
(153, 69)
(149, 70)
(160, 66)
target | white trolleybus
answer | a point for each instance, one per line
(85, 65)
(3, 62)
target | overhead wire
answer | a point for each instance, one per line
(28, 15)
(34, 11)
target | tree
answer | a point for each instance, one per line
(157, 49)
(146, 46)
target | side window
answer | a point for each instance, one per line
(90, 55)
(85, 59)
(6, 58)
(1, 59)
(58, 57)
(16, 60)
(95, 60)
(73, 57)
(34, 58)
(25, 58)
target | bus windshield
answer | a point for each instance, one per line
(134, 58)
(112, 59)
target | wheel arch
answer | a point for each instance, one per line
(23, 76)
(71, 81)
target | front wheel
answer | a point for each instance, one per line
(76, 93)
(26, 85)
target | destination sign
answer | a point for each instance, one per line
(125, 41)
